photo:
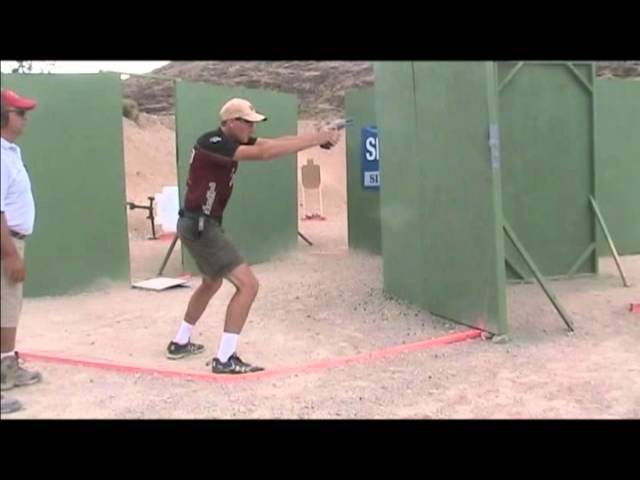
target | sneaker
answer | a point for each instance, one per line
(175, 351)
(9, 405)
(14, 375)
(233, 366)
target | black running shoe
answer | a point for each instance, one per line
(233, 366)
(175, 351)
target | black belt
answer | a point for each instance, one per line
(197, 215)
(19, 236)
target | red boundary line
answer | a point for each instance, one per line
(321, 365)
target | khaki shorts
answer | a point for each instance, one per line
(11, 294)
(212, 251)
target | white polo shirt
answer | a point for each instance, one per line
(16, 199)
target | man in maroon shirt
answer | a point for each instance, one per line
(213, 165)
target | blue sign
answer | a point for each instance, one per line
(370, 158)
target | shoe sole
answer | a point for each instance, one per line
(31, 382)
(229, 372)
(7, 387)
(10, 410)
(183, 355)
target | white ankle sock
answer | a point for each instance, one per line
(184, 333)
(228, 345)
(7, 354)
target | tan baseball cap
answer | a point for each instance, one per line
(240, 108)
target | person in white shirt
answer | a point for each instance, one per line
(18, 217)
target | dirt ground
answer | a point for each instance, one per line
(315, 306)
(322, 302)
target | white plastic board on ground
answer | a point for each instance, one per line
(161, 283)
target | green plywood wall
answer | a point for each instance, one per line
(547, 143)
(363, 204)
(618, 162)
(441, 220)
(73, 150)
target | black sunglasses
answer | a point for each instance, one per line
(20, 113)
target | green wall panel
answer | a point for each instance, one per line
(363, 204)
(547, 143)
(618, 162)
(442, 236)
(73, 150)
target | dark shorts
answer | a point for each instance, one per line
(212, 251)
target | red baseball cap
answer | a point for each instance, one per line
(11, 99)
